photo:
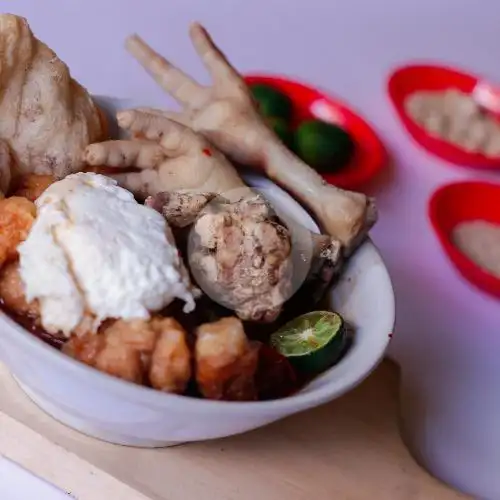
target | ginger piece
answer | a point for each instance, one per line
(179, 209)
(16, 218)
(226, 114)
(226, 362)
(31, 186)
(240, 255)
(172, 158)
(152, 352)
(47, 117)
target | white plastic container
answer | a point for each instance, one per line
(450, 420)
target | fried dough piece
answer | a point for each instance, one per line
(13, 296)
(12, 293)
(16, 218)
(47, 117)
(226, 362)
(31, 186)
(152, 352)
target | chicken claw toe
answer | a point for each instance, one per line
(169, 77)
(171, 115)
(139, 154)
(142, 184)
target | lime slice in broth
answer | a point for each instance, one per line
(312, 342)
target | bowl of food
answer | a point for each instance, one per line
(321, 129)
(151, 292)
(450, 113)
(466, 219)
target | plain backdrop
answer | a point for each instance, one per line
(347, 47)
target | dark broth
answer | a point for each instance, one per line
(275, 377)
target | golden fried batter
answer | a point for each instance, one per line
(85, 348)
(170, 367)
(12, 292)
(226, 361)
(31, 186)
(152, 352)
(121, 360)
(16, 218)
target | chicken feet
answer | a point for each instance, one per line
(170, 156)
(226, 114)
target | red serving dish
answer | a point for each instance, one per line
(463, 201)
(409, 79)
(309, 102)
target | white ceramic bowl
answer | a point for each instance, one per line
(110, 409)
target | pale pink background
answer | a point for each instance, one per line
(446, 330)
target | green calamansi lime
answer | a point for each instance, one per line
(272, 103)
(312, 342)
(282, 130)
(323, 146)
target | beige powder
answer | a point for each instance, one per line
(480, 241)
(455, 117)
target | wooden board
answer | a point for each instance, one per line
(348, 450)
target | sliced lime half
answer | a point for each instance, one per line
(312, 342)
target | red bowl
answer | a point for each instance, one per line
(409, 79)
(463, 201)
(308, 102)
